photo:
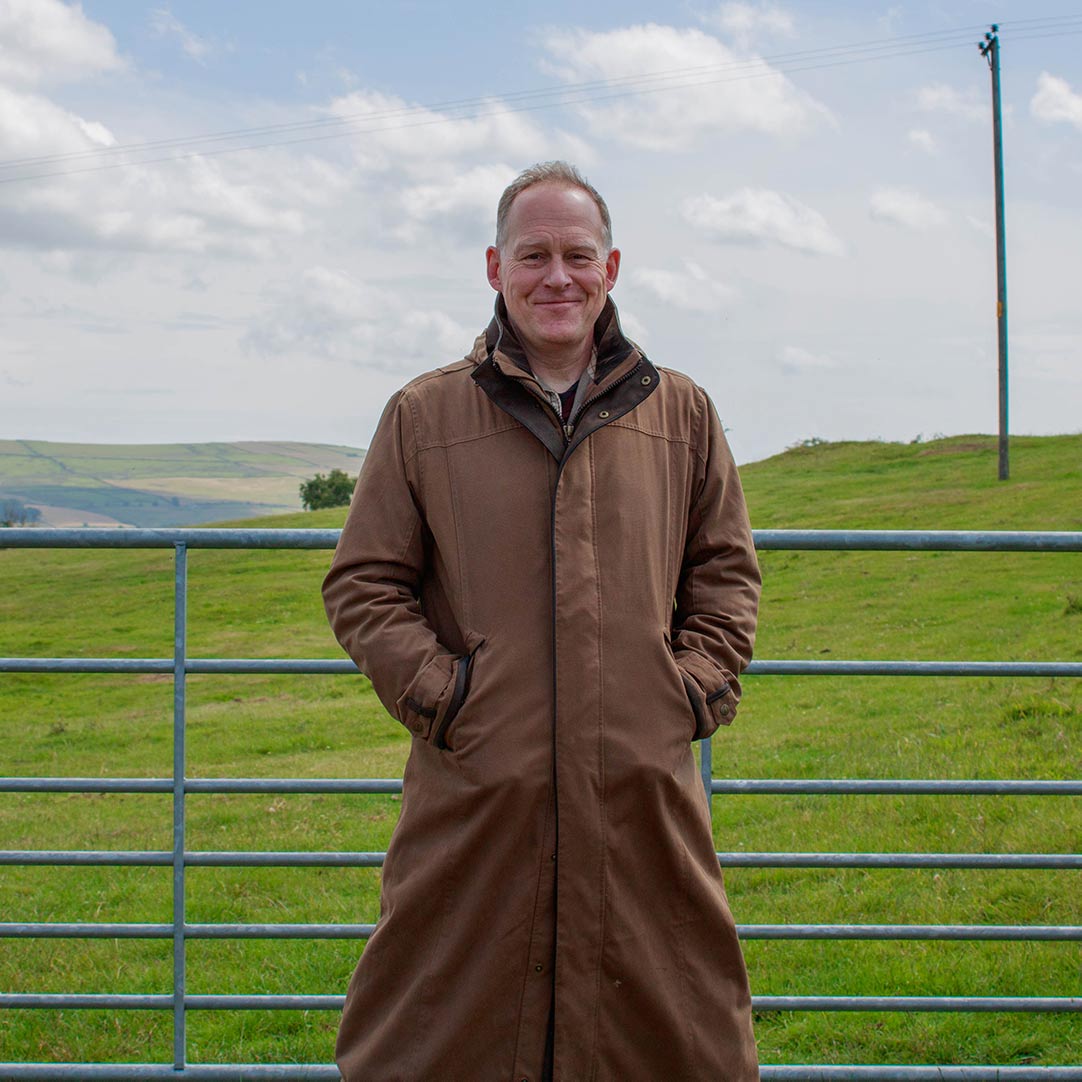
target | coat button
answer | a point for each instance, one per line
(539, 968)
(646, 381)
(603, 414)
(723, 711)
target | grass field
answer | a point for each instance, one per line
(838, 605)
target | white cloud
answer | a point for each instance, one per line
(715, 91)
(195, 205)
(942, 98)
(923, 140)
(692, 290)
(165, 24)
(744, 22)
(1055, 102)
(795, 358)
(45, 41)
(466, 198)
(32, 126)
(391, 132)
(902, 206)
(760, 216)
(329, 313)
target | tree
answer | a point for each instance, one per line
(16, 513)
(334, 490)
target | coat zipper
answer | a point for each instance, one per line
(569, 428)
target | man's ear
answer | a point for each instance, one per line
(612, 268)
(492, 265)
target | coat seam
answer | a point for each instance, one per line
(457, 517)
(530, 937)
(695, 598)
(603, 862)
(692, 445)
(413, 454)
(473, 437)
(631, 426)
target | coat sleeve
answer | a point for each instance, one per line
(372, 590)
(717, 598)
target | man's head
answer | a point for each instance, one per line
(556, 172)
(553, 260)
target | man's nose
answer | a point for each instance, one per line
(557, 275)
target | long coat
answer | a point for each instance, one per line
(554, 613)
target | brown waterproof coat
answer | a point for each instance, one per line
(554, 613)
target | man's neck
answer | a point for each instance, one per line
(561, 371)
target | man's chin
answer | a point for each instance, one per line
(563, 330)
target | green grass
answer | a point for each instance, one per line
(815, 605)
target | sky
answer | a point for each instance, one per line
(256, 220)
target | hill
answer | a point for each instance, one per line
(167, 484)
(981, 606)
(945, 484)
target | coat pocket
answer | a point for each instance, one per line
(691, 714)
(423, 703)
(713, 692)
(460, 689)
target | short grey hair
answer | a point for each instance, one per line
(556, 172)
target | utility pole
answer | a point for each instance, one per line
(990, 51)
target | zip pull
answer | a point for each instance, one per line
(568, 431)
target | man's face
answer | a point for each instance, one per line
(553, 270)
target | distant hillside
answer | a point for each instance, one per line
(947, 484)
(167, 484)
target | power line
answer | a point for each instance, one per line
(959, 36)
(583, 93)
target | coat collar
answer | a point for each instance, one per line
(501, 343)
(501, 371)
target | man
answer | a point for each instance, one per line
(547, 573)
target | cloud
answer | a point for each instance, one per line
(466, 199)
(46, 41)
(1055, 102)
(761, 216)
(797, 359)
(693, 290)
(744, 22)
(941, 98)
(922, 140)
(165, 25)
(331, 314)
(32, 126)
(195, 205)
(902, 206)
(718, 89)
(392, 132)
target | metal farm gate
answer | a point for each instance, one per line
(180, 857)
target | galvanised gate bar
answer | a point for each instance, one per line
(179, 858)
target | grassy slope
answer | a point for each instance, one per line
(842, 605)
(164, 484)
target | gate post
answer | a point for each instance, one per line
(706, 767)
